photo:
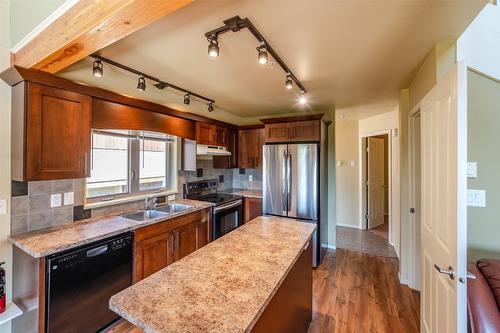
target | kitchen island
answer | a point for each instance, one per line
(257, 278)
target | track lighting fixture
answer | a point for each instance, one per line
(288, 82)
(141, 83)
(97, 68)
(265, 51)
(213, 46)
(262, 54)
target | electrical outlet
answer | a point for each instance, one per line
(55, 200)
(3, 206)
(250, 178)
(171, 197)
(69, 198)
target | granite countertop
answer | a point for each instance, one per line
(245, 193)
(223, 287)
(48, 241)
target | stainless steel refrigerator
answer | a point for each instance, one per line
(291, 185)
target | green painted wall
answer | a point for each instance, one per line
(483, 136)
(27, 14)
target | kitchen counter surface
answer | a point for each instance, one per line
(224, 286)
(48, 241)
(245, 193)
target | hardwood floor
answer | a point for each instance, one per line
(357, 292)
(353, 292)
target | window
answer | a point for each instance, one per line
(131, 163)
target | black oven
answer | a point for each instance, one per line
(227, 217)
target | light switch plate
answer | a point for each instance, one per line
(353, 163)
(339, 163)
(250, 178)
(55, 200)
(3, 206)
(476, 198)
(69, 198)
(171, 197)
(471, 169)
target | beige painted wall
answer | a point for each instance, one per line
(483, 224)
(27, 14)
(331, 181)
(346, 150)
(5, 247)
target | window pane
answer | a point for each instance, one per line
(153, 164)
(109, 167)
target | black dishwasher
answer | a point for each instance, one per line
(81, 281)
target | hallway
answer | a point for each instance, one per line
(356, 292)
(372, 241)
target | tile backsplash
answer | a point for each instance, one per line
(31, 206)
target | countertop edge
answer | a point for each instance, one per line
(37, 255)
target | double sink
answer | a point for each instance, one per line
(157, 212)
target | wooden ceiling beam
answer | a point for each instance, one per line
(87, 27)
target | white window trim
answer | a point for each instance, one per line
(97, 202)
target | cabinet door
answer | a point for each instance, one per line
(252, 208)
(205, 133)
(186, 240)
(203, 232)
(248, 148)
(228, 162)
(57, 134)
(261, 140)
(153, 254)
(305, 130)
(277, 132)
(221, 136)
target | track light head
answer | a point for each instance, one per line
(97, 68)
(302, 99)
(262, 54)
(161, 85)
(210, 106)
(141, 83)
(213, 46)
(288, 82)
(187, 99)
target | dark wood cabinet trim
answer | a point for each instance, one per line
(314, 116)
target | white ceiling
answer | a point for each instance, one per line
(346, 53)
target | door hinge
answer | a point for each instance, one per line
(367, 149)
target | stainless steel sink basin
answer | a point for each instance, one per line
(172, 208)
(144, 215)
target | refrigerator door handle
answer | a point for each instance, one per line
(284, 182)
(289, 180)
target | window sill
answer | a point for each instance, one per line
(125, 199)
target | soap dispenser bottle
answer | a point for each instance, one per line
(3, 295)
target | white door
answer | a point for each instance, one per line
(443, 199)
(376, 182)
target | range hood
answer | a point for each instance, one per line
(212, 150)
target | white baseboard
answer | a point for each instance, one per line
(347, 225)
(328, 246)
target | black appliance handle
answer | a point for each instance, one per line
(227, 206)
(97, 251)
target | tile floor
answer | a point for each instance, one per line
(372, 241)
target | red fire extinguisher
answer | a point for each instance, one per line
(3, 296)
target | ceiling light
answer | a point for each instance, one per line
(210, 106)
(187, 99)
(141, 83)
(288, 82)
(213, 47)
(97, 68)
(302, 99)
(262, 54)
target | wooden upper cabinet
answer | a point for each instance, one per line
(298, 131)
(305, 130)
(228, 162)
(250, 148)
(57, 134)
(221, 136)
(277, 132)
(206, 134)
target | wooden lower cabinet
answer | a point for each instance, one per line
(158, 245)
(252, 207)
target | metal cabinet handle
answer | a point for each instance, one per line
(450, 272)
(284, 182)
(289, 181)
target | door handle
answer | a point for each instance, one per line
(289, 180)
(450, 272)
(284, 183)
